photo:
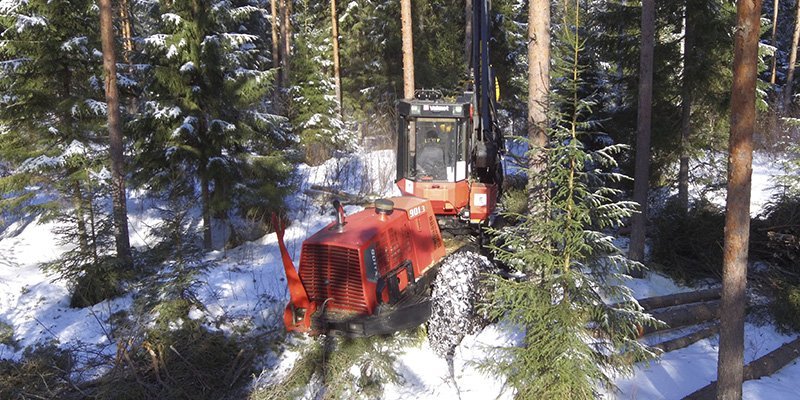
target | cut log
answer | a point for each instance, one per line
(346, 198)
(764, 366)
(652, 303)
(691, 314)
(683, 341)
(772, 362)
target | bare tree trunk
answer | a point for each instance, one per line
(787, 100)
(408, 49)
(737, 216)
(120, 209)
(774, 40)
(337, 79)
(538, 90)
(286, 41)
(127, 32)
(80, 217)
(276, 58)
(642, 168)
(686, 104)
(205, 196)
(468, 34)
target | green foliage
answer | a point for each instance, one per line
(786, 307)
(573, 339)
(330, 361)
(207, 110)
(7, 334)
(188, 362)
(688, 245)
(613, 65)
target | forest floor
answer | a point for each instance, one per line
(246, 290)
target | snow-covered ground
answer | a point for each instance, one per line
(247, 287)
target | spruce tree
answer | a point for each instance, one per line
(55, 140)
(580, 322)
(207, 112)
(313, 111)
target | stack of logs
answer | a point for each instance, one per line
(701, 307)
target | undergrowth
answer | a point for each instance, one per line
(341, 368)
(42, 373)
(688, 245)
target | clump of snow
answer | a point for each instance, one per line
(454, 301)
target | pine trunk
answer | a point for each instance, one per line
(774, 42)
(787, 100)
(643, 125)
(286, 41)
(205, 194)
(468, 34)
(337, 80)
(737, 217)
(118, 198)
(408, 49)
(80, 217)
(276, 59)
(686, 105)
(538, 91)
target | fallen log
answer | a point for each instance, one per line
(652, 303)
(684, 341)
(764, 366)
(691, 314)
(347, 198)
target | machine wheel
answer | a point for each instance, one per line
(456, 291)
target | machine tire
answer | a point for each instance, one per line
(454, 299)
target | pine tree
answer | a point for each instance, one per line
(574, 340)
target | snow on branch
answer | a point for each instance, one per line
(25, 22)
(161, 112)
(12, 65)
(171, 18)
(157, 40)
(241, 13)
(9, 6)
(76, 42)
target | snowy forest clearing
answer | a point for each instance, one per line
(245, 291)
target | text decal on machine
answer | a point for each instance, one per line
(416, 211)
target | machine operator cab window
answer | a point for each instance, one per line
(438, 150)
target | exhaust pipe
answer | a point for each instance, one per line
(340, 216)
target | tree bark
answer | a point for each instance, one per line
(686, 104)
(643, 126)
(737, 216)
(120, 210)
(686, 315)
(205, 195)
(276, 58)
(408, 49)
(685, 341)
(468, 34)
(337, 80)
(652, 303)
(764, 366)
(286, 42)
(775, 5)
(787, 100)
(538, 92)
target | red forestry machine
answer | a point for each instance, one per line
(371, 272)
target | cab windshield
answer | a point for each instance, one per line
(437, 141)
